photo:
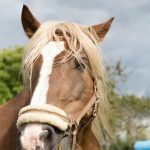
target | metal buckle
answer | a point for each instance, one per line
(73, 128)
(95, 110)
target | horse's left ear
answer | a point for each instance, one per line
(102, 29)
(29, 22)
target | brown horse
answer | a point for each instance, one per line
(63, 71)
(8, 117)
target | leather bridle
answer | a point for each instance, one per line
(90, 110)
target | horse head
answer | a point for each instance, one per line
(62, 69)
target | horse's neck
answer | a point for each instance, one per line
(87, 139)
(9, 113)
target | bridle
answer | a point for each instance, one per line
(90, 109)
(73, 126)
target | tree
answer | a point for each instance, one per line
(125, 110)
(10, 83)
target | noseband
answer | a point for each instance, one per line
(55, 116)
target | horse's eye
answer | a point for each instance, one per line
(79, 65)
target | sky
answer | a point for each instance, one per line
(128, 38)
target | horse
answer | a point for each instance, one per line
(64, 75)
(9, 113)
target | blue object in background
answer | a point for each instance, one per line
(142, 145)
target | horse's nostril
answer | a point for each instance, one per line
(48, 130)
(44, 134)
(38, 148)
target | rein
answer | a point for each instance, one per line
(55, 116)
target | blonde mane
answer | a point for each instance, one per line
(87, 40)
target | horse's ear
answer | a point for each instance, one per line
(30, 24)
(102, 29)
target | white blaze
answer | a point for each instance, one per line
(49, 52)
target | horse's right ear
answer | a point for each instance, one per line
(30, 24)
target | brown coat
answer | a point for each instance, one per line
(8, 116)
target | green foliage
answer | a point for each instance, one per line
(10, 83)
(121, 145)
(124, 110)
